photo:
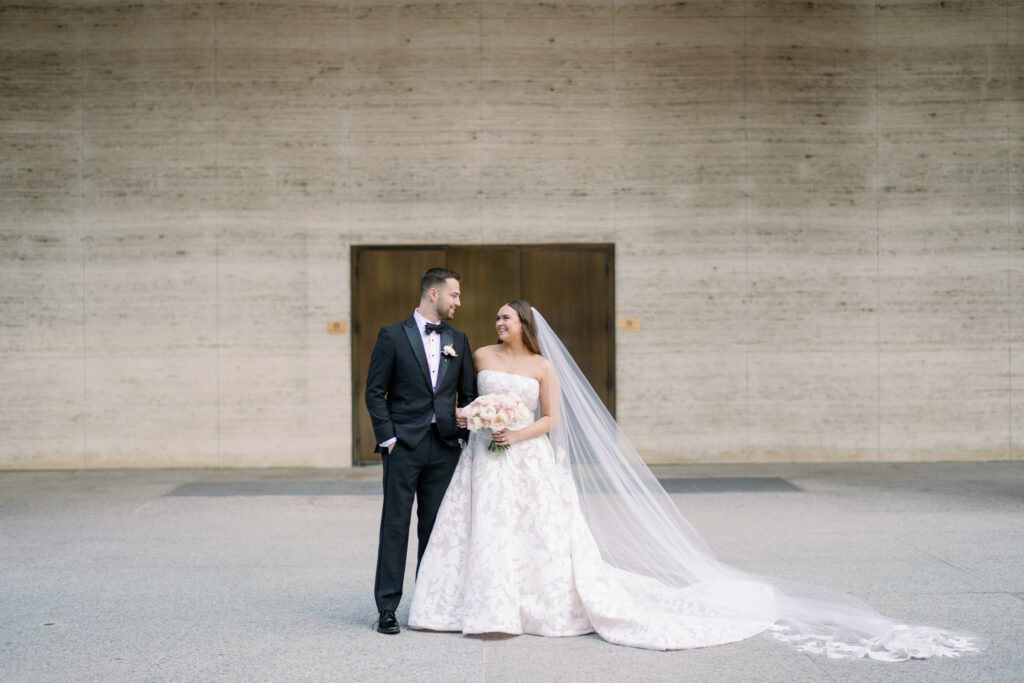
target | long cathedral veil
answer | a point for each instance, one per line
(639, 529)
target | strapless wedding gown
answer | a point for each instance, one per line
(511, 553)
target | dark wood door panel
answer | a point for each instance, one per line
(572, 287)
(490, 277)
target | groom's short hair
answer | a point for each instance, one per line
(435, 277)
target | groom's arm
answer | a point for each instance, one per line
(467, 384)
(382, 361)
(467, 376)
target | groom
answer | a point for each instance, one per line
(420, 369)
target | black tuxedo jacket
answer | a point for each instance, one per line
(399, 397)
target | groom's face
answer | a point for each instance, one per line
(448, 299)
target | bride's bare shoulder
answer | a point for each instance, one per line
(541, 366)
(483, 353)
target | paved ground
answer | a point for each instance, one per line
(265, 575)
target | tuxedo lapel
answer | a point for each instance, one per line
(416, 344)
(446, 339)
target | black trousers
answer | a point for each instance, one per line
(422, 473)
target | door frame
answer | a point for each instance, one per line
(359, 406)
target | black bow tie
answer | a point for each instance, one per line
(430, 328)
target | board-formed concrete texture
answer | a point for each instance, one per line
(817, 211)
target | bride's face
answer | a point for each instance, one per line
(507, 324)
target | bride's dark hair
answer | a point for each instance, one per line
(525, 313)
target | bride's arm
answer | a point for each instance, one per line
(548, 407)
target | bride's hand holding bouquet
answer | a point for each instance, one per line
(495, 412)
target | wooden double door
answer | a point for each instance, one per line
(571, 285)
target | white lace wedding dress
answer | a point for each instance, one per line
(512, 553)
(572, 533)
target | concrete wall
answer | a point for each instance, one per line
(818, 211)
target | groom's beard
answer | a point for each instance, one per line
(443, 314)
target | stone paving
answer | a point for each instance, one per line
(266, 575)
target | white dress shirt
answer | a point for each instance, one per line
(431, 346)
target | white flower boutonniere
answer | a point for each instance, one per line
(449, 350)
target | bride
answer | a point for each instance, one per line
(566, 532)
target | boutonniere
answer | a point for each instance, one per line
(449, 350)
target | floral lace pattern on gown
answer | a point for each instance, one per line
(511, 553)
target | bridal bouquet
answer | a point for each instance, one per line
(494, 412)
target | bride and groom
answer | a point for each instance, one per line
(563, 530)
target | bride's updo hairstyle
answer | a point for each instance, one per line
(525, 313)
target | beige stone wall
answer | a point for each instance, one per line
(817, 210)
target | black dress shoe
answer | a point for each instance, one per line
(388, 623)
